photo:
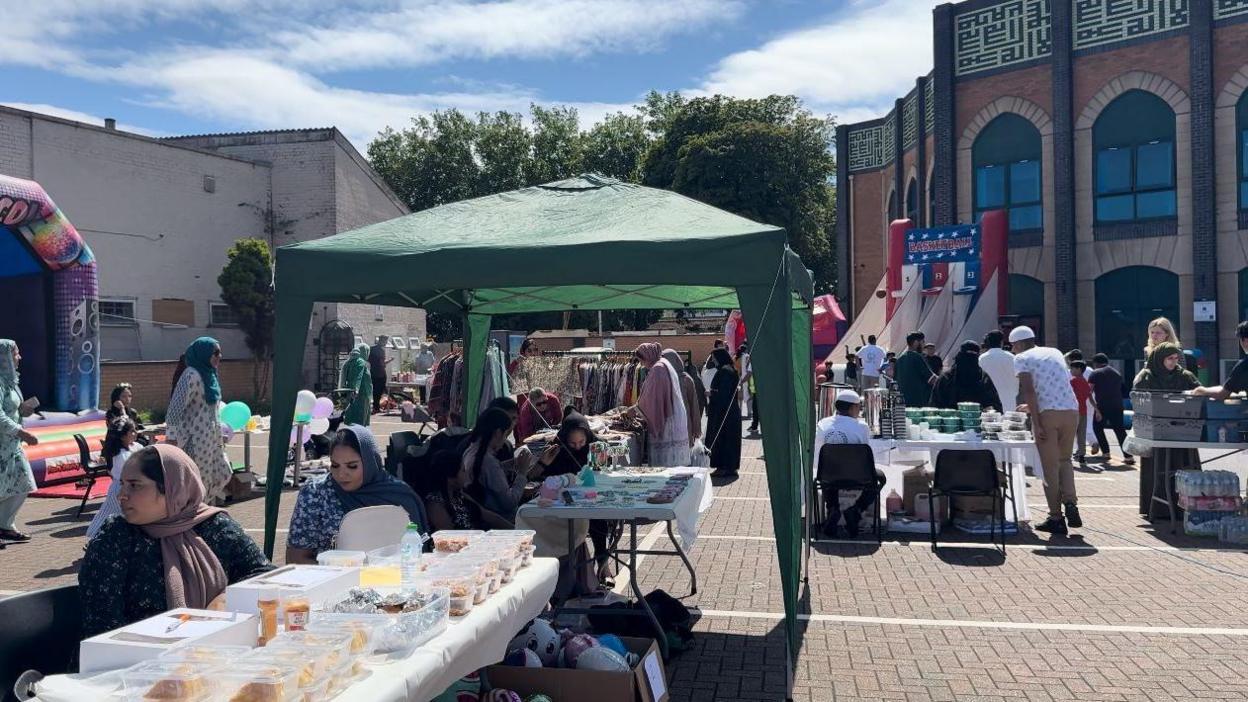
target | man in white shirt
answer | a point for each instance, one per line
(1044, 387)
(844, 427)
(872, 358)
(999, 365)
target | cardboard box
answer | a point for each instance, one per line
(974, 507)
(646, 682)
(317, 583)
(914, 482)
(147, 639)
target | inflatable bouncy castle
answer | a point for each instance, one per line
(48, 280)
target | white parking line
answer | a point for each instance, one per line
(743, 499)
(977, 624)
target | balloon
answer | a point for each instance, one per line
(614, 643)
(304, 402)
(323, 408)
(317, 426)
(227, 431)
(236, 414)
(603, 659)
(576, 646)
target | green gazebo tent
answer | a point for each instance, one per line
(587, 243)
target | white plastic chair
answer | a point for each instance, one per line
(371, 528)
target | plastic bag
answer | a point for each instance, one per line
(699, 455)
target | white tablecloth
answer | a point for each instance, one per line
(551, 523)
(470, 643)
(1017, 453)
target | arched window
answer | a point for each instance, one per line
(912, 202)
(1026, 302)
(1133, 140)
(1241, 124)
(891, 213)
(1127, 299)
(1006, 159)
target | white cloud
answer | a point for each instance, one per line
(75, 115)
(853, 66)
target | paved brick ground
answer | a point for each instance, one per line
(1092, 617)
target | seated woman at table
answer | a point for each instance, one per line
(570, 451)
(119, 404)
(449, 504)
(356, 479)
(1164, 372)
(497, 485)
(169, 549)
(965, 381)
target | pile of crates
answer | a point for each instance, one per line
(1173, 416)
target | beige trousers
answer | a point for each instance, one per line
(1060, 427)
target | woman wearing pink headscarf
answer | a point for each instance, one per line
(168, 550)
(663, 406)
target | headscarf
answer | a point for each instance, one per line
(9, 379)
(1156, 377)
(379, 487)
(722, 358)
(688, 392)
(177, 374)
(193, 573)
(199, 357)
(655, 400)
(965, 370)
(570, 460)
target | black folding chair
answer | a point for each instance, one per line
(847, 467)
(964, 473)
(41, 632)
(92, 471)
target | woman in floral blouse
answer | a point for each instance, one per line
(194, 425)
(168, 550)
(356, 479)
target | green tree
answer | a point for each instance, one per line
(616, 146)
(247, 287)
(766, 159)
(557, 148)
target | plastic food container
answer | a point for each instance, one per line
(337, 642)
(505, 556)
(364, 629)
(258, 682)
(524, 536)
(381, 567)
(526, 558)
(344, 559)
(487, 560)
(454, 540)
(310, 666)
(316, 691)
(461, 583)
(214, 655)
(183, 681)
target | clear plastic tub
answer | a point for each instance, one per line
(523, 536)
(338, 642)
(504, 555)
(311, 666)
(344, 559)
(526, 558)
(183, 681)
(257, 682)
(454, 540)
(461, 583)
(487, 560)
(213, 655)
(364, 629)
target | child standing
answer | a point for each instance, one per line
(1083, 394)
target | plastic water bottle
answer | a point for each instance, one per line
(410, 548)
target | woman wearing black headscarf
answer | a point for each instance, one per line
(965, 381)
(723, 425)
(1164, 372)
(570, 452)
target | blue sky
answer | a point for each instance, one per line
(192, 66)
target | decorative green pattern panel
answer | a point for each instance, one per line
(1101, 22)
(872, 147)
(910, 122)
(1225, 9)
(929, 102)
(1002, 35)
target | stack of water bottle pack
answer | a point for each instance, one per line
(1207, 498)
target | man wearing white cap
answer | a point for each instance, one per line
(844, 427)
(1044, 387)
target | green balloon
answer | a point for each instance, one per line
(236, 414)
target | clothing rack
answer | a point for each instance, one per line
(687, 355)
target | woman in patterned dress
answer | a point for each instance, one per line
(16, 480)
(194, 424)
(168, 550)
(357, 378)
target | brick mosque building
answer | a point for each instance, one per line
(1116, 135)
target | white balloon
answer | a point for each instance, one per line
(319, 425)
(305, 401)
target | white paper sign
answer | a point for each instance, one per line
(654, 676)
(1205, 311)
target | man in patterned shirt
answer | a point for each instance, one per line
(1044, 387)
